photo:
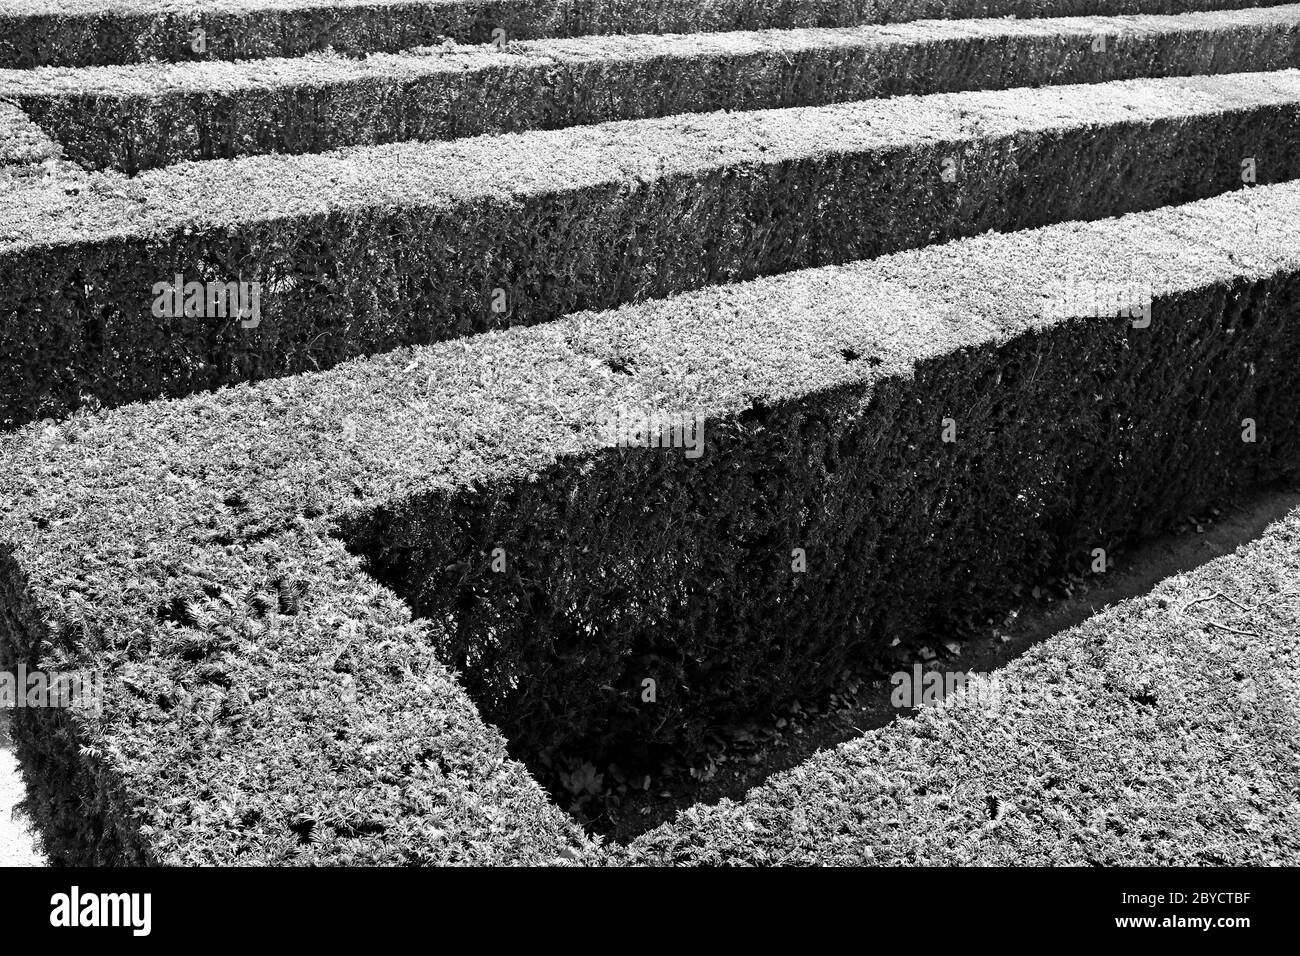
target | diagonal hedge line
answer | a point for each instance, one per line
(1153, 734)
(28, 156)
(96, 32)
(186, 548)
(22, 143)
(369, 249)
(146, 116)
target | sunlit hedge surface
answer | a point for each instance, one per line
(141, 117)
(366, 250)
(89, 32)
(270, 701)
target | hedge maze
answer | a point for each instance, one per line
(404, 404)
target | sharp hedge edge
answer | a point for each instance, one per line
(268, 705)
(95, 32)
(142, 117)
(28, 156)
(366, 250)
(269, 702)
(21, 141)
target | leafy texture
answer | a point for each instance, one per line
(269, 702)
(157, 114)
(369, 249)
(87, 32)
(1158, 733)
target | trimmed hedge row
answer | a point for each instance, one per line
(183, 546)
(29, 156)
(142, 117)
(96, 32)
(826, 395)
(1157, 733)
(22, 143)
(266, 703)
(366, 250)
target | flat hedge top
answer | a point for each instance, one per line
(112, 519)
(861, 9)
(221, 194)
(155, 7)
(1144, 736)
(501, 406)
(21, 141)
(316, 69)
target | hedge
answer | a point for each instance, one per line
(195, 549)
(269, 706)
(825, 396)
(22, 143)
(366, 250)
(27, 157)
(145, 116)
(99, 32)
(1157, 733)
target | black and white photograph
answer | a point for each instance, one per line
(494, 448)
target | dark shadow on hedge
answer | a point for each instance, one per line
(558, 599)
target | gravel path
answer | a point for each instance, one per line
(17, 847)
